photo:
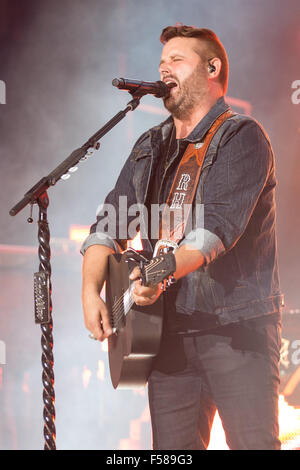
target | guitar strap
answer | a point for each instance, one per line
(177, 209)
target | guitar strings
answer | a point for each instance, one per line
(118, 307)
(118, 313)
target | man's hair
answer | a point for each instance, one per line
(213, 46)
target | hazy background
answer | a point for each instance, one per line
(57, 59)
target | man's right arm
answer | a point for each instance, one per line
(106, 237)
(94, 272)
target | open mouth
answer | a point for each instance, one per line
(171, 83)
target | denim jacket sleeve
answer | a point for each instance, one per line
(242, 171)
(111, 226)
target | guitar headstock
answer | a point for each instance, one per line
(160, 269)
(155, 270)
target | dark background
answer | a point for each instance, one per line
(57, 59)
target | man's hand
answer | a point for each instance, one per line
(96, 316)
(143, 295)
(187, 259)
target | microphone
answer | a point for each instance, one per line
(158, 89)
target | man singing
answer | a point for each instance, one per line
(221, 341)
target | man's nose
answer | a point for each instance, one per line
(165, 69)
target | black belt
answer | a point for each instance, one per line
(200, 322)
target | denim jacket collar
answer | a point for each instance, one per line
(204, 125)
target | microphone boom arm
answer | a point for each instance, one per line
(32, 195)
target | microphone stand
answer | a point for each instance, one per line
(42, 279)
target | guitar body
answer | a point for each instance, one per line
(136, 342)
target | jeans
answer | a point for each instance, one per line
(242, 385)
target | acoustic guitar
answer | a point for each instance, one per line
(137, 330)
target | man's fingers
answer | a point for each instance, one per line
(97, 320)
(105, 324)
(144, 295)
(102, 331)
(145, 291)
(135, 274)
(144, 300)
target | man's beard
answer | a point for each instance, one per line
(192, 92)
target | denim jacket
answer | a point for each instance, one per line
(236, 190)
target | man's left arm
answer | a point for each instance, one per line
(232, 189)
